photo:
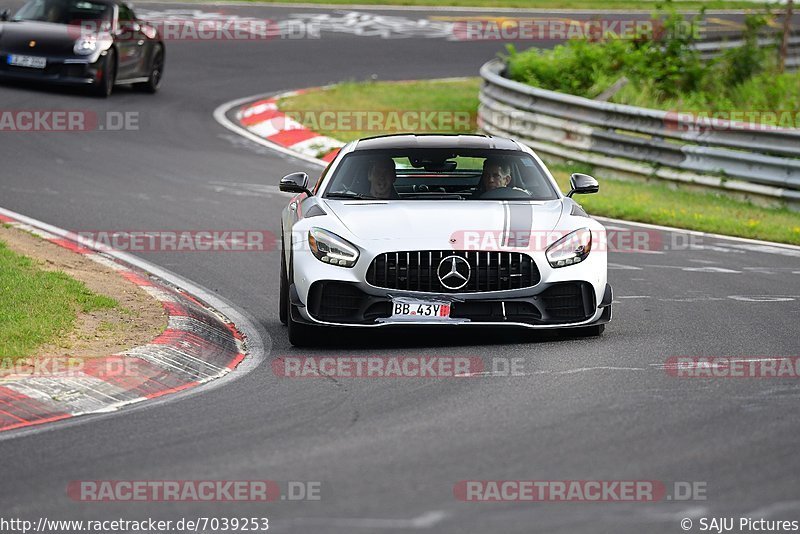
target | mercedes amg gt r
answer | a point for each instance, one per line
(95, 43)
(462, 230)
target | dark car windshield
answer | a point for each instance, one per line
(64, 11)
(436, 174)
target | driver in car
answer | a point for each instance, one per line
(381, 176)
(496, 174)
(53, 13)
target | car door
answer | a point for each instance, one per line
(130, 44)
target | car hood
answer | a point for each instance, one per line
(49, 39)
(444, 220)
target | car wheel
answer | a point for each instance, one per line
(590, 331)
(283, 312)
(300, 335)
(156, 72)
(108, 71)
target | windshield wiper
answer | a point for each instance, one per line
(351, 194)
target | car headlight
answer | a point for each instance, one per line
(570, 249)
(330, 248)
(85, 46)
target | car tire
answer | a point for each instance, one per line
(283, 312)
(156, 72)
(109, 70)
(591, 331)
(300, 334)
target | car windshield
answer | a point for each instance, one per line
(436, 174)
(73, 12)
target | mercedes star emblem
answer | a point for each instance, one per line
(453, 272)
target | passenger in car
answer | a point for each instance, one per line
(381, 176)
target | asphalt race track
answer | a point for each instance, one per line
(389, 452)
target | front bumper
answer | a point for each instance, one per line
(545, 297)
(550, 305)
(60, 71)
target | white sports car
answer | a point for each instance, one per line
(460, 230)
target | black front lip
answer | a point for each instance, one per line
(529, 310)
(52, 78)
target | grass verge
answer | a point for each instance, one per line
(654, 203)
(389, 101)
(662, 204)
(37, 306)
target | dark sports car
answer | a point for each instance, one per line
(97, 43)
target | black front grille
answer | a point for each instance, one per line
(417, 271)
(568, 301)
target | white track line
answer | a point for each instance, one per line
(220, 115)
(700, 234)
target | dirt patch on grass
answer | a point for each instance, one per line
(136, 320)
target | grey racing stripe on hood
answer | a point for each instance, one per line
(517, 224)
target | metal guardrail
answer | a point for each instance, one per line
(712, 48)
(734, 156)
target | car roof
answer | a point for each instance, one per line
(410, 141)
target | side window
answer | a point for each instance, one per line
(321, 178)
(126, 13)
(32, 11)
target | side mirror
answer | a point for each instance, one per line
(5, 15)
(297, 182)
(582, 184)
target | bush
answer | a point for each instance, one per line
(579, 67)
(738, 65)
(663, 69)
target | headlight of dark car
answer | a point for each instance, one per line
(85, 46)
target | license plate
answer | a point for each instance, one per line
(32, 62)
(408, 309)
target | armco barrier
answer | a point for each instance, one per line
(733, 156)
